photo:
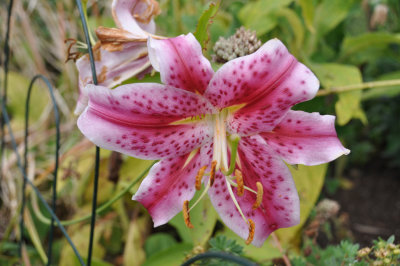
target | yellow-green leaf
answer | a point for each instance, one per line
(296, 25)
(348, 105)
(309, 181)
(203, 218)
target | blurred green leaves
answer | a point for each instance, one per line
(262, 15)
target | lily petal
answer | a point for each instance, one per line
(135, 120)
(280, 205)
(305, 138)
(181, 63)
(262, 115)
(135, 16)
(169, 183)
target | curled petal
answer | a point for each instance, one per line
(135, 120)
(135, 16)
(114, 64)
(181, 63)
(169, 183)
(305, 138)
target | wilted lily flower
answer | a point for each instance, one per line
(232, 130)
(121, 53)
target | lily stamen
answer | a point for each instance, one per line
(234, 199)
(239, 182)
(245, 187)
(199, 176)
(260, 193)
(252, 229)
(186, 215)
(212, 172)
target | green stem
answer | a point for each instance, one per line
(84, 4)
(100, 209)
(362, 86)
(234, 141)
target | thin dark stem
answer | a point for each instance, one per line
(94, 205)
(45, 204)
(219, 255)
(97, 162)
(57, 121)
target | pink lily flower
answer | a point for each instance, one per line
(121, 53)
(233, 130)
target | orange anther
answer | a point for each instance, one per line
(252, 229)
(260, 193)
(239, 182)
(212, 172)
(186, 216)
(199, 176)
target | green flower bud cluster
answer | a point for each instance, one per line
(243, 42)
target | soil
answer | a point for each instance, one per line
(372, 204)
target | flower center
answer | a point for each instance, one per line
(220, 162)
(220, 152)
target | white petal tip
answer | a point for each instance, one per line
(346, 151)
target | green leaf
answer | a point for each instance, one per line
(330, 13)
(348, 105)
(261, 15)
(202, 34)
(307, 8)
(203, 218)
(295, 23)
(173, 256)
(157, 243)
(361, 43)
(309, 181)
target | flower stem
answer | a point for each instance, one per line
(99, 210)
(362, 86)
